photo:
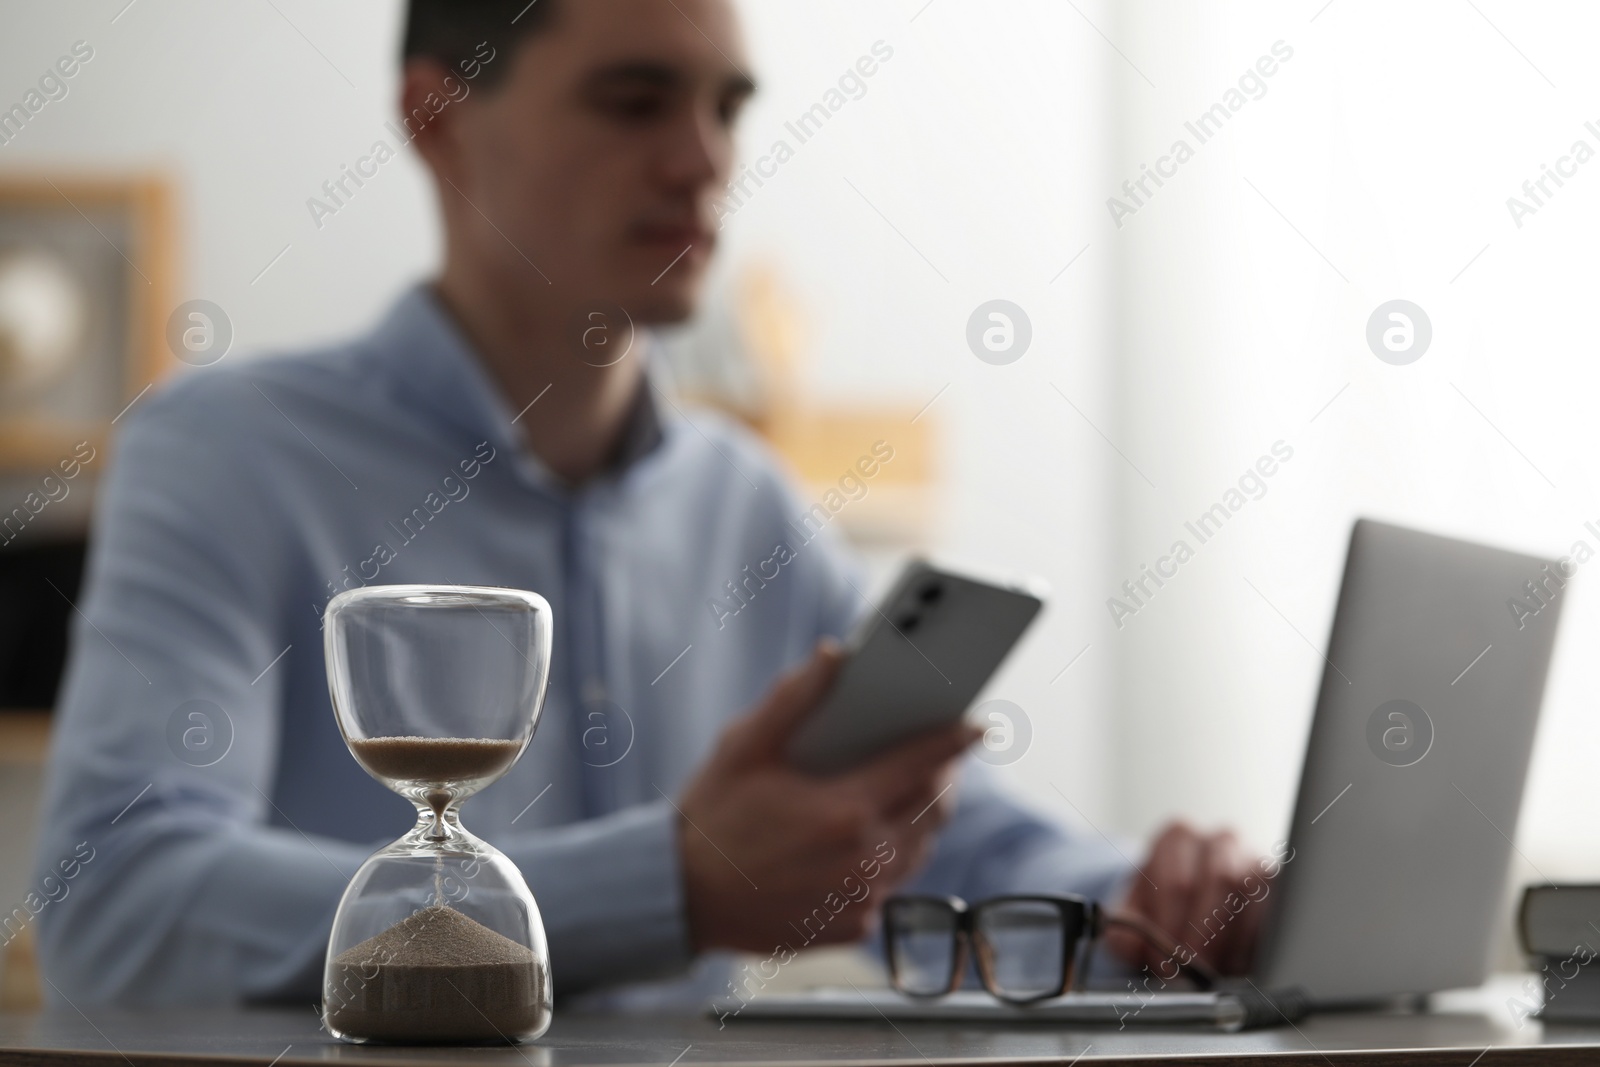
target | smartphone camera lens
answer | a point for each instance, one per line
(930, 593)
(907, 621)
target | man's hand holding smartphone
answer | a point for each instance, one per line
(762, 843)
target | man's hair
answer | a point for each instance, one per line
(450, 31)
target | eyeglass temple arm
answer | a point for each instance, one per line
(1196, 970)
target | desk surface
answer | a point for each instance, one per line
(1465, 1030)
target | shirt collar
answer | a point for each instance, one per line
(439, 371)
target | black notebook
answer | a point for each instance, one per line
(1560, 928)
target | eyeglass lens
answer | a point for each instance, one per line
(1022, 948)
(923, 944)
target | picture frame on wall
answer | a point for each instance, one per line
(87, 267)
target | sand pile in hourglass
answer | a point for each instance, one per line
(437, 973)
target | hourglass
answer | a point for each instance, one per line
(437, 690)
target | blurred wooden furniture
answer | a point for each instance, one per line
(24, 737)
(116, 236)
(20, 989)
(88, 281)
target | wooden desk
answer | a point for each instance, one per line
(1466, 1030)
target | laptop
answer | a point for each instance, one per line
(1414, 770)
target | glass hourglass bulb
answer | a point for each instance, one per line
(437, 691)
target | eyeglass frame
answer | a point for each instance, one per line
(1083, 921)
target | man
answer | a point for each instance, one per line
(497, 428)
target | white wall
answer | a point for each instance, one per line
(984, 141)
(1391, 141)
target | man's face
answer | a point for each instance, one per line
(601, 155)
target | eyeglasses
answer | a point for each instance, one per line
(1027, 948)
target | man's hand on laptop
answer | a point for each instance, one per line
(762, 844)
(1193, 887)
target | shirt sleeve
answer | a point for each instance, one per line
(187, 886)
(167, 733)
(610, 892)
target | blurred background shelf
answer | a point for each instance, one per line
(24, 737)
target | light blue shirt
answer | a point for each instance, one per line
(244, 495)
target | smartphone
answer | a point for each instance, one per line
(917, 661)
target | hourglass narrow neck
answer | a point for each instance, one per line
(438, 821)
